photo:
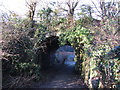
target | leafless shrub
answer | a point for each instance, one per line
(18, 82)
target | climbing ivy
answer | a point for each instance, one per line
(80, 38)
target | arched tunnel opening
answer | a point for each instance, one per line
(65, 55)
(58, 65)
(54, 55)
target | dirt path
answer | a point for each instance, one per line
(62, 76)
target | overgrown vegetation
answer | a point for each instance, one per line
(80, 38)
(25, 44)
(19, 55)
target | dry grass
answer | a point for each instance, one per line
(18, 82)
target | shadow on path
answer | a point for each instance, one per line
(62, 76)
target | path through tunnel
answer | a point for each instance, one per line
(54, 55)
(58, 66)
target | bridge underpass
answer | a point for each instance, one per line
(59, 73)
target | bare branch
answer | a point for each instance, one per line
(96, 8)
(75, 5)
(31, 5)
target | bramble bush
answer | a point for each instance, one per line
(19, 56)
(104, 67)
